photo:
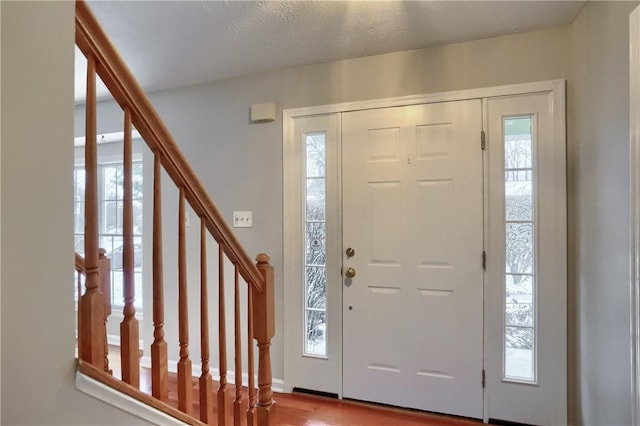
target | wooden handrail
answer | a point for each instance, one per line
(80, 263)
(105, 62)
(115, 74)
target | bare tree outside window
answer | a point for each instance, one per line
(315, 246)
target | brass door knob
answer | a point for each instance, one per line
(350, 252)
(350, 273)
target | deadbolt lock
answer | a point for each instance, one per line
(350, 252)
(350, 273)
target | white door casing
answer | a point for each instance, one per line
(293, 244)
(306, 371)
(542, 400)
(634, 167)
(412, 212)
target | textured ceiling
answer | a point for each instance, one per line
(176, 43)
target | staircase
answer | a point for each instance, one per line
(94, 307)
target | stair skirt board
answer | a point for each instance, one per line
(124, 402)
(277, 385)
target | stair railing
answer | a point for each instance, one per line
(104, 269)
(104, 61)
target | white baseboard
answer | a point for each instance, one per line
(124, 402)
(114, 340)
(277, 385)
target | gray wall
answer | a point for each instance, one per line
(241, 165)
(599, 224)
(37, 223)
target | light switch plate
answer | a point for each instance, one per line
(242, 219)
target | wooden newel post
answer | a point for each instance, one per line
(92, 326)
(264, 330)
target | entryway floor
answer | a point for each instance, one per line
(295, 409)
(307, 410)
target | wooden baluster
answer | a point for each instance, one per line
(237, 402)
(129, 331)
(159, 367)
(185, 403)
(251, 410)
(104, 270)
(91, 311)
(264, 328)
(222, 340)
(206, 381)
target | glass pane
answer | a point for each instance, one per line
(110, 183)
(315, 155)
(520, 309)
(519, 314)
(315, 247)
(117, 287)
(316, 199)
(517, 143)
(110, 217)
(137, 181)
(519, 248)
(316, 278)
(517, 151)
(518, 195)
(315, 326)
(138, 301)
(79, 184)
(519, 350)
(78, 215)
(137, 217)
(519, 337)
(519, 288)
(79, 243)
(137, 253)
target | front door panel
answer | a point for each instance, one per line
(412, 213)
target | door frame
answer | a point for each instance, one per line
(634, 168)
(292, 236)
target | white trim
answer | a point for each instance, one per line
(114, 340)
(124, 402)
(458, 95)
(277, 385)
(107, 138)
(545, 403)
(634, 119)
(555, 87)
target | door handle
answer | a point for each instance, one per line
(350, 272)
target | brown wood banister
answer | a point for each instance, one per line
(104, 62)
(104, 268)
(80, 263)
(115, 74)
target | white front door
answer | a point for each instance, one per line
(413, 216)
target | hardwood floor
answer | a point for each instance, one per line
(307, 410)
(297, 409)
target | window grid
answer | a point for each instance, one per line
(111, 203)
(315, 277)
(520, 278)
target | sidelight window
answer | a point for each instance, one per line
(520, 250)
(315, 275)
